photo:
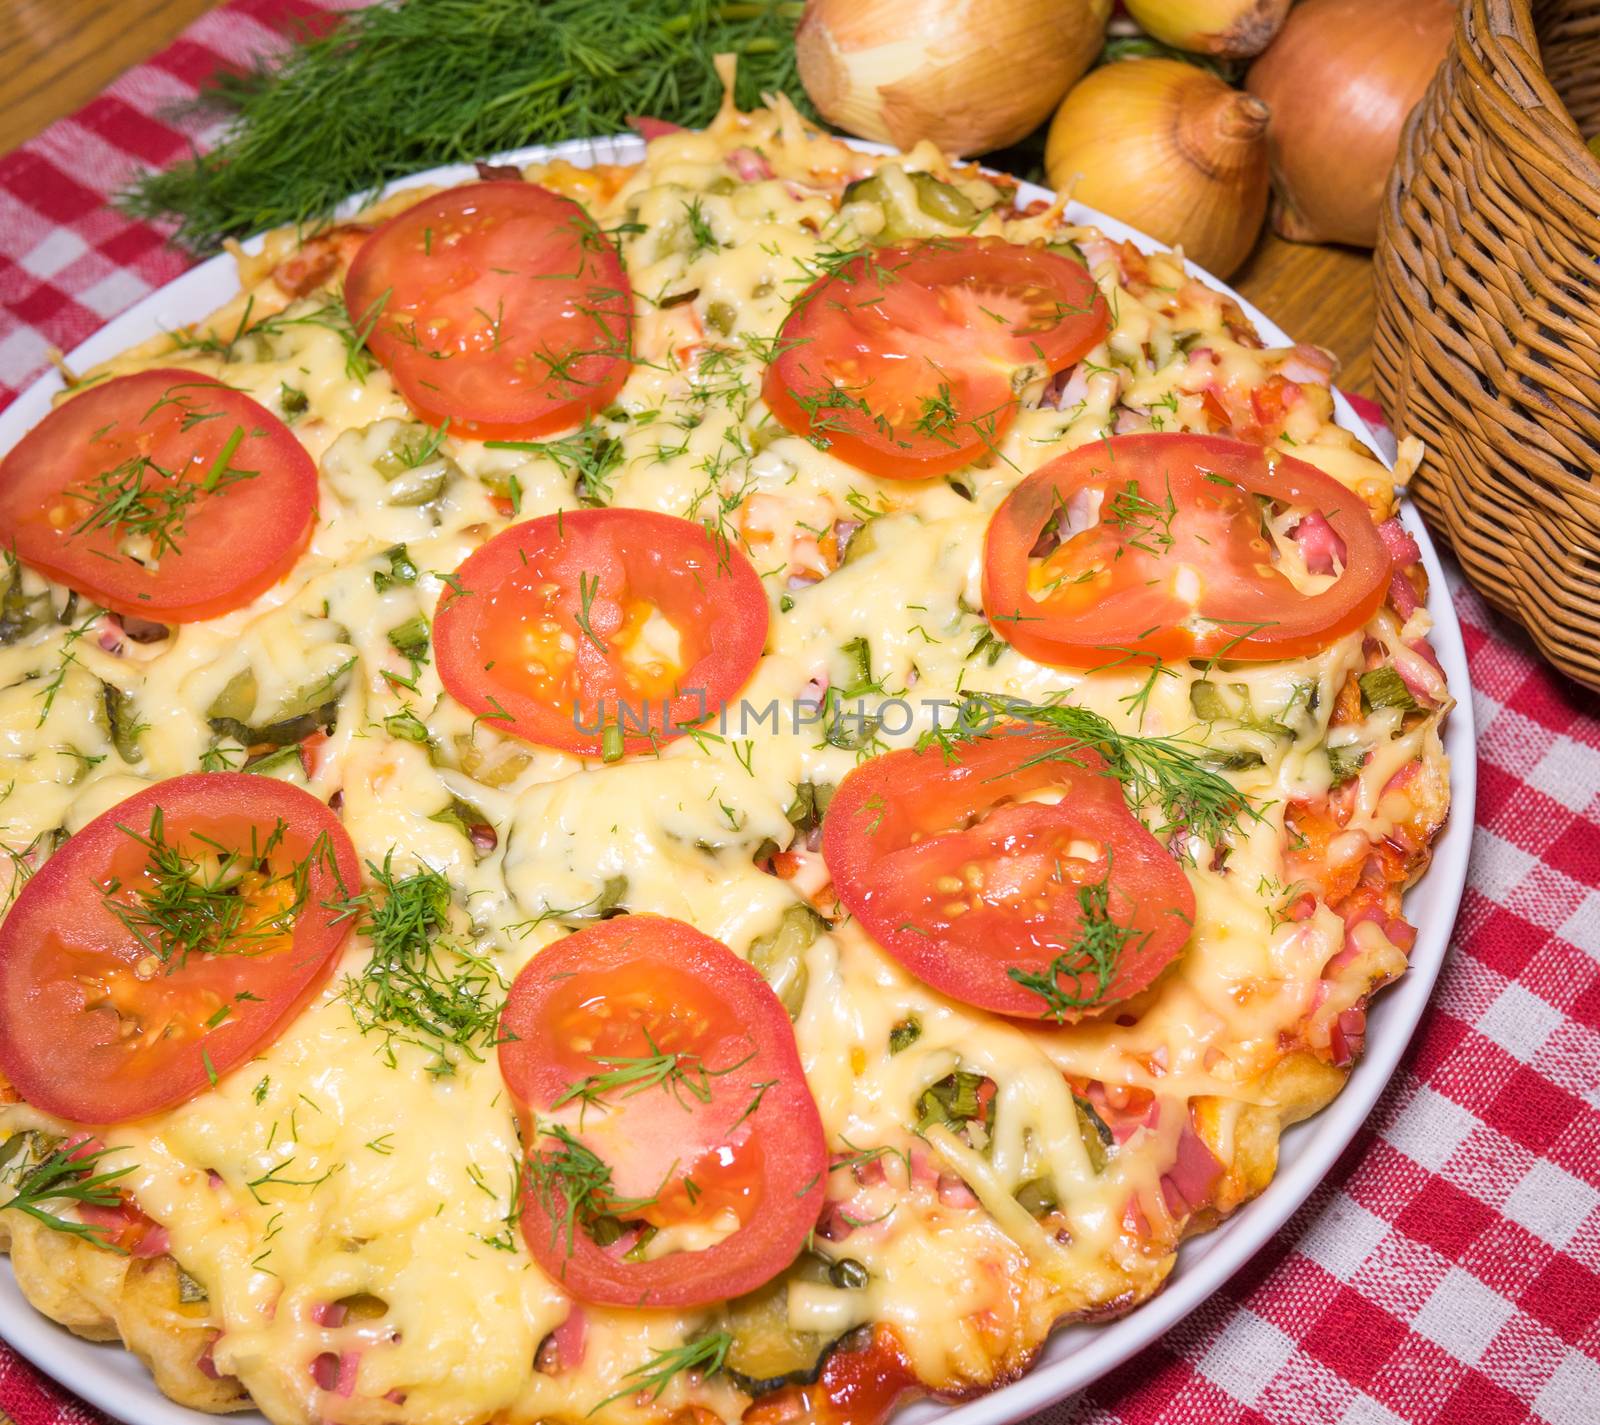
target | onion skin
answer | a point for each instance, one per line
(1340, 80)
(1228, 29)
(971, 75)
(1170, 149)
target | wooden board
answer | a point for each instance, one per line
(56, 55)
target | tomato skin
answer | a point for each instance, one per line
(68, 1058)
(625, 561)
(1118, 592)
(693, 995)
(854, 1387)
(901, 825)
(911, 323)
(498, 306)
(234, 544)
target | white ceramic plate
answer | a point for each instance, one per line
(112, 1379)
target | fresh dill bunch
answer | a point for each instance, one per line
(64, 1175)
(1164, 772)
(417, 988)
(400, 87)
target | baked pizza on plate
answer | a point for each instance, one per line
(713, 788)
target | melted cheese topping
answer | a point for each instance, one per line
(342, 1164)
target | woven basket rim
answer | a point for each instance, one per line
(1498, 43)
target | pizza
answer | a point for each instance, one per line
(711, 790)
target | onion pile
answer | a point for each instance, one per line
(1340, 80)
(1228, 29)
(1163, 144)
(1170, 149)
(972, 75)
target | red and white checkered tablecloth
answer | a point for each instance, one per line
(1448, 1270)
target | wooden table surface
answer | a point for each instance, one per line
(55, 55)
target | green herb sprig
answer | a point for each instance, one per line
(1081, 975)
(1168, 773)
(67, 1175)
(202, 899)
(401, 87)
(706, 1354)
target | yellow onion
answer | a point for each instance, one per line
(1171, 149)
(972, 75)
(1340, 80)
(1229, 29)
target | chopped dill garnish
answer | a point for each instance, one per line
(208, 898)
(1082, 974)
(1168, 773)
(702, 236)
(681, 1074)
(573, 1185)
(588, 587)
(589, 456)
(139, 499)
(705, 1354)
(68, 661)
(401, 87)
(419, 987)
(66, 1175)
(1144, 523)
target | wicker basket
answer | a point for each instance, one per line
(1488, 338)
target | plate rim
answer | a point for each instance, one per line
(110, 1377)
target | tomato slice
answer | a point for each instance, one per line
(660, 1088)
(169, 940)
(1153, 546)
(902, 361)
(600, 631)
(996, 897)
(500, 306)
(164, 495)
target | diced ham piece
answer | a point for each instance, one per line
(319, 258)
(750, 164)
(1308, 365)
(831, 1226)
(1194, 1175)
(1398, 541)
(336, 1373)
(154, 1243)
(570, 1339)
(955, 1193)
(1320, 545)
(1404, 552)
(1418, 667)
(1403, 594)
(1348, 1036)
